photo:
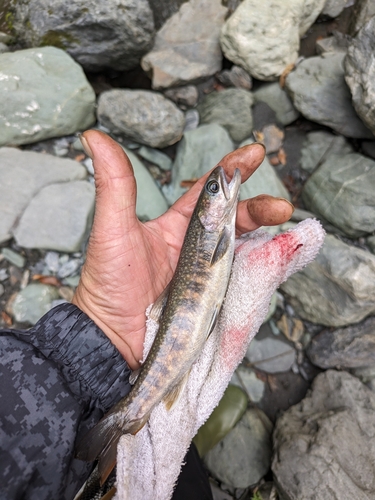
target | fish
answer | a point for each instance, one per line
(186, 311)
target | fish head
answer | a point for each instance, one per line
(217, 203)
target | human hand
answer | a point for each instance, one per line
(129, 263)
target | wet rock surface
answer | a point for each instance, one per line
(319, 154)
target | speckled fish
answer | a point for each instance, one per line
(187, 312)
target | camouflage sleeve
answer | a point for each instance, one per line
(56, 380)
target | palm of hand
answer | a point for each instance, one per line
(129, 263)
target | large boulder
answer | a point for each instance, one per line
(142, 115)
(263, 37)
(324, 447)
(337, 289)
(360, 73)
(96, 33)
(318, 90)
(187, 47)
(44, 93)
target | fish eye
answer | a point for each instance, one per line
(212, 187)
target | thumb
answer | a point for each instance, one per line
(115, 184)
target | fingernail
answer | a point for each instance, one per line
(291, 204)
(85, 145)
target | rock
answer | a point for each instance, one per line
(324, 446)
(191, 120)
(271, 355)
(263, 181)
(23, 174)
(339, 42)
(319, 145)
(58, 217)
(246, 379)
(13, 257)
(3, 48)
(230, 108)
(187, 47)
(97, 34)
(156, 157)
(33, 302)
(271, 137)
(163, 9)
(342, 191)
(363, 12)
(337, 289)
(185, 97)
(333, 8)
(235, 77)
(365, 375)
(199, 151)
(370, 241)
(150, 201)
(44, 94)
(368, 148)
(318, 90)
(263, 38)
(69, 268)
(360, 73)
(278, 100)
(243, 457)
(141, 115)
(350, 347)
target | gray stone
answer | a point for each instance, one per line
(52, 261)
(243, 457)
(23, 174)
(337, 289)
(185, 97)
(368, 148)
(187, 47)
(278, 100)
(319, 145)
(350, 347)
(318, 90)
(156, 157)
(333, 8)
(364, 10)
(164, 9)
(3, 48)
(230, 108)
(246, 379)
(191, 120)
(13, 257)
(263, 181)
(235, 77)
(141, 115)
(365, 375)
(370, 241)
(69, 268)
(342, 191)
(58, 217)
(3, 275)
(263, 37)
(5, 38)
(199, 151)
(31, 303)
(150, 200)
(360, 73)
(271, 355)
(96, 33)
(336, 43)
(44, 94)
(2, 289)
(324, 446)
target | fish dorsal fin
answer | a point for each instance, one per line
(174, 395)
(221, 246)
(159, 304)
(134, 375)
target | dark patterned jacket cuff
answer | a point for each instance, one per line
(90, 363)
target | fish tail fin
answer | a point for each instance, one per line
(102, 440)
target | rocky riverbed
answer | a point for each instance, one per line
(180, 84)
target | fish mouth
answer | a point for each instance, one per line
(230, 189)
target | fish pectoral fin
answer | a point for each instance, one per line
(174, 395)
(221, 246)
(214, 319)
(158, 306)
(134, 375)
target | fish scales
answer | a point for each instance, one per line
(195, 296)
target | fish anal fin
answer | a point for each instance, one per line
(158, 306)
(174, 395)
(215, 317)
(221, 246)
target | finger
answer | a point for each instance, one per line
(114, 181)
(247, 159)
(263, 210)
